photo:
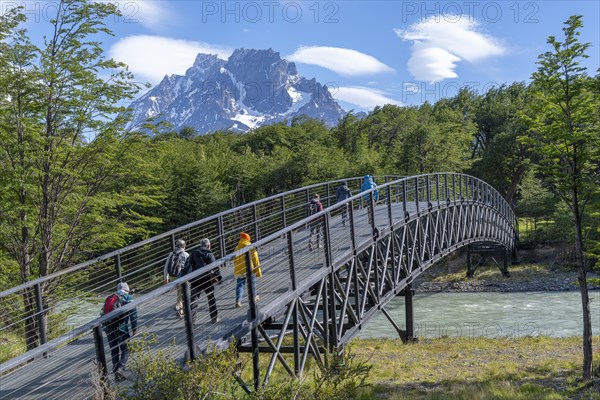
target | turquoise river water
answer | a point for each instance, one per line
(489, 314)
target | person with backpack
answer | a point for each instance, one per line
(175, 268)
(117, 329)
(316, 227)
(239, 269)
(206, 282)
(369, 184)
(342, 193)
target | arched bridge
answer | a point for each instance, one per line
(320, 298)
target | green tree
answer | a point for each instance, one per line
(500, 157)
(535, 203)
(566, 139)
(347, 133)
(62, 151)
(432, 138)
(190, 181)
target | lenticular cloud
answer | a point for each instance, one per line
(342, 61)
(439, 43)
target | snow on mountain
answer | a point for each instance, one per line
(250, 89)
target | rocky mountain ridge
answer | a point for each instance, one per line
(249, 89)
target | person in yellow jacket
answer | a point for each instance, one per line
(239, 269)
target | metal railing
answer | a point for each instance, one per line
(289, 267)
(141, 264)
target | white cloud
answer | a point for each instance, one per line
(440, 43)
(342, 61)
(363, 97)
(432, 64)
(150, 58)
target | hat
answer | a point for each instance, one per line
(123, 286)
(180, 243)
(244, 235)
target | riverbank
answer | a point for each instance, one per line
(536, 272)
(475, 368)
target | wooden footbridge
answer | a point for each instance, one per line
(320, 299)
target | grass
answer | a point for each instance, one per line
(475, 368)
(467, 368)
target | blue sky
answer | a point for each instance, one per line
(367, 52)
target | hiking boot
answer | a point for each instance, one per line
(120, 375)
(179, 309)
(215, 320)
(310, 246)
(238, 304)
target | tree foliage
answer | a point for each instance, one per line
(501, 158)
(565, 136)
(62, 151)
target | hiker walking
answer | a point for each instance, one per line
(117, 329)
(367, 185)
(342, 193)
(175, 268)
(316, 226)
(239, 269)
(206, 282)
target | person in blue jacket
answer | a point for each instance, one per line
(369, 184)
(342, 193)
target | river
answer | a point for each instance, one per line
(489, 314)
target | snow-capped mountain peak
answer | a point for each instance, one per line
(250, 89)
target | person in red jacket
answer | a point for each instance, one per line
(316, 226)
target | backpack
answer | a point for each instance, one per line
(197, 260)
(175, 264)
(191, 264)
(312, 207)
(343, 193)
(111, 303)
